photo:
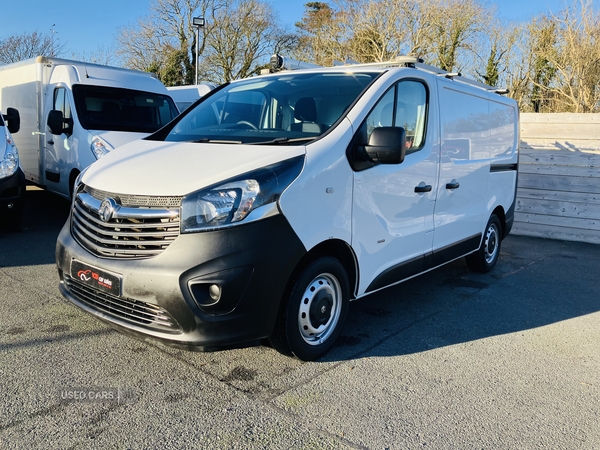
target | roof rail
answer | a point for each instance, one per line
(278, 63)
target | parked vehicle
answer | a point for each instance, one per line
(12, 180)
(73, 113)
(185, 96)
(284, 196)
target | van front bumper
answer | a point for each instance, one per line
(206, 290)
(12, 194)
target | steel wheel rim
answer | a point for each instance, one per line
(320, 309)
(491, 243)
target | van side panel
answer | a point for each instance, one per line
(504, 131)
(21, 89)
(461, 211)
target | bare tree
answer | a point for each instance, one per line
(494, 53)
(321, 32)
(378, 31)
(456, 25)
(104, 55)
(576, 59)
(28, 45)
(558, 69)
(543, 35)
(440, 31)
(238, 37)
(240, 45)
(164, 41)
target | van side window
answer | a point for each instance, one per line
(404, 105)
(411, 111)
(382, 115)
(61, 103)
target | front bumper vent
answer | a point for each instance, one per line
(133, 312)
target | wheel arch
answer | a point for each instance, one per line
(499, 211)
(336, 248)
(286, 336)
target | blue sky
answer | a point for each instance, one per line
(84, 26)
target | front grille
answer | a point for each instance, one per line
(131, 311)
(136, 200)
(140, 227)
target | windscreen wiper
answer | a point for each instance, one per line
(215, 141)
(284, 140)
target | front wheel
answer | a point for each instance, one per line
(315, 311)
(484, 259)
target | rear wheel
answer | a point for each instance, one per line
(484, 259)
(315, 311)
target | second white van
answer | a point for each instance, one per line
(73, 113)
(268, 206)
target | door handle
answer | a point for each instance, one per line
(51, 142)
(423, 188)
(453, 185)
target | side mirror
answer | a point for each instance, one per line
(387, 145)
(56, 123)
(13, 120)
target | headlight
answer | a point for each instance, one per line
(231, 202)
(10, 160)
(99, 147)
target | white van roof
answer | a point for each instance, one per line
(184, 96)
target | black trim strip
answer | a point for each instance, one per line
(399, 272)
(456, 250)
(53, 176)
(503, 167)
(424, 262)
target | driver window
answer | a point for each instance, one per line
(61, 103)
(404, 105)
(382, 115)
(411, 108)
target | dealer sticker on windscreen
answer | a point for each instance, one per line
(96, 278)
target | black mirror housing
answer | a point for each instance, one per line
(387, 145)
(13, 120)
(56, 123)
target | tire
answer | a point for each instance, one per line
(486, 257)
(313, 314)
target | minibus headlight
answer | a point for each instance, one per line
(99, 147)
(9, 162)
(231, 202)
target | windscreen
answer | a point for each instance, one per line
(286, 108)
(118, 109)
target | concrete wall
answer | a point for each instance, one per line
(558, 193)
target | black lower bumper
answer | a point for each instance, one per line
(12, 194)
(206, 290)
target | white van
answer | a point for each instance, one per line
(12, 180)
(185, 96)
(264, 209)
(73, 113)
